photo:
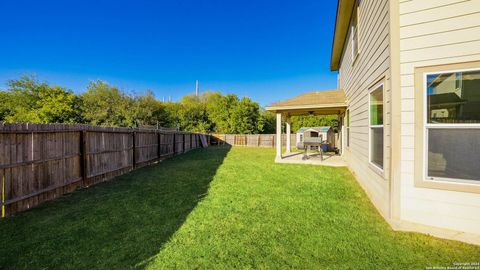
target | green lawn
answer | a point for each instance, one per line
(220, 208)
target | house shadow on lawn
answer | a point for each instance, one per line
(119, 224)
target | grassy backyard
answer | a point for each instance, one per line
(219, 208)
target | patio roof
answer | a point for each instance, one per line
(318, 102)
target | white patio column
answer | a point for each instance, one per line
(288, 125)
(279, 135)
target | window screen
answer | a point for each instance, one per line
(453, 125)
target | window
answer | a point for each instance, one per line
(354, 34)
(376, 126)
(348, 127)
(452, 126)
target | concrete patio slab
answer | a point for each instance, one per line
(313, 159)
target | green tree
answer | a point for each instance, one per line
(5, 108)
(103, 104)
(244, 116)
(149, 111)
(28, 100)
(266, 122)
(219, 110)
(172, 113)
(192, 115)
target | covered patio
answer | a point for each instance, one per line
(327, 102)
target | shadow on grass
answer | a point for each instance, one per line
(118, 224)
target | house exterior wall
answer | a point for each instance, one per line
(434, 32)
(356, 78)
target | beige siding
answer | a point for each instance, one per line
(434, 32)
(371, 67)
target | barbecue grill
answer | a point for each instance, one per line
(308, 142)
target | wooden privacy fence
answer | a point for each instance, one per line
(39, 162)
(252, 140)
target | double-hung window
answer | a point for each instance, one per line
(451, 133)
(376, 126)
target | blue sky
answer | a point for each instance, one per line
(267, 50)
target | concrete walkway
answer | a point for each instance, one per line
(313, 159)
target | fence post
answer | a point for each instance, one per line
(3, 195)
(183, 143)
(191, 141)
(133, 155)
(159, 147)
(174, 144)
(84, 157)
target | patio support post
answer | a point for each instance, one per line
(288, 126)
(279, 136)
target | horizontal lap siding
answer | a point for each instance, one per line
(371, 66)
(434, 32)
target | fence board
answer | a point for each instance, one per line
(179, 137)
(146, 146)
(166, 144)
(187, 142)
(41, 162)
(252, 140)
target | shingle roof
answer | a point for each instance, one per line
(317, 99)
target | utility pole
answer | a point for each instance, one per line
(196, 88)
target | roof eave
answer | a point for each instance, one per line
(306, 107)
(342, 21)
(319, 107)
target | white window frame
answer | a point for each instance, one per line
(427, 126)
(370, 126)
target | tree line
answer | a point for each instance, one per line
(28, 100)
